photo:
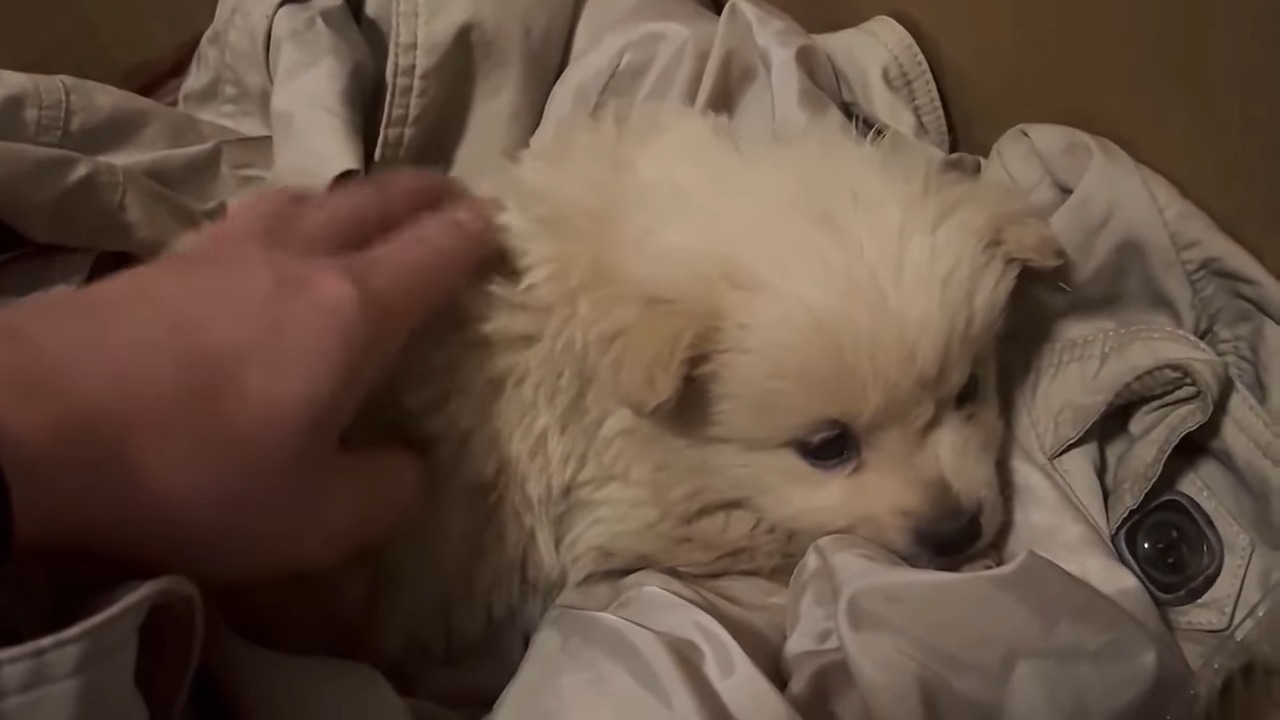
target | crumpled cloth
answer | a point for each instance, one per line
(1152, 364)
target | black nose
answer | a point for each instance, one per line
(951, 534)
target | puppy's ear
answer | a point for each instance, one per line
(1030, 242)
(653, 356)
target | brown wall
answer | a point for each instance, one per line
(1189, 87)
(119, 42)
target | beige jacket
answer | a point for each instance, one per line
(1153, 368)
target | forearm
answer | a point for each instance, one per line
(40, 515)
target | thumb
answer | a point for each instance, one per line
(362, 496)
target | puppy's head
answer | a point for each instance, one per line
(806, 328)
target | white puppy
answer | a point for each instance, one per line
(706, 354)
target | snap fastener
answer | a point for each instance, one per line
(1173, 547)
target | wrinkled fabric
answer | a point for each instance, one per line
(90, 668)
(1151, 363)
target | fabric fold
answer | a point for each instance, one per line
(1148, 366)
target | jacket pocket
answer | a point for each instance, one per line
(1127, 402)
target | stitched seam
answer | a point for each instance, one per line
(928, 108)
(392, 87)
(1152, 469)
(1226, 344)
(1254, 410)
(1062, 481)
(64, 111)
(225, 89)
(111, 169)
(1150, 332)
(1037, 437)
(900, 75)
(395, 41)
(923, 81)
(1247, 434)
(1197, 292)
(1200, 297)
(1242, 555)
(415, 84)
(1069, 352)
(1062, 356)
(51, 113)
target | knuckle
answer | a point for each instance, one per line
(335, 293)
(273, 208)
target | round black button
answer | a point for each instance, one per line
(1172, 546)
(1169, 546)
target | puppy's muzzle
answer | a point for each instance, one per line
(950, 536)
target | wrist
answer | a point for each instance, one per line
(7, 531)
(40, 514)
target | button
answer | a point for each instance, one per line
(1173, 547)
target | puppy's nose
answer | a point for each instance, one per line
(952, 534)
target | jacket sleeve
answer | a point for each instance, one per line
(129, 655)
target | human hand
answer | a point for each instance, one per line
(184, 416)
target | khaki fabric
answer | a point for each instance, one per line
(1152, 363)
(1188, 86)
(91, 668)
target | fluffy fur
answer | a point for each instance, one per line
(683, 311)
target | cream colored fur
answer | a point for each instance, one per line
(681, 308)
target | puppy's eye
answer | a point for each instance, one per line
(831, 446)
(968, 392)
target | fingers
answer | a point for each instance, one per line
(356, 214)
(352, 216)
(359, 498)
(420, 266)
